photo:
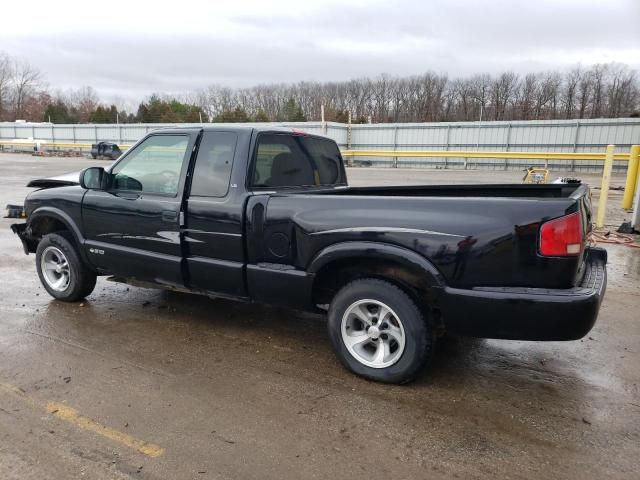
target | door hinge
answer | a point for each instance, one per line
(181, 219)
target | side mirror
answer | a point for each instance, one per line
(93, 178)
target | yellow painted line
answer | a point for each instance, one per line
(72, 416)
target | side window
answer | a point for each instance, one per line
(286, 160)
(213, 165)
(154, 166)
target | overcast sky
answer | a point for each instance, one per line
(131, 49)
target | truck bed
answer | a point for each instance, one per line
(475, 235)
(561, 190)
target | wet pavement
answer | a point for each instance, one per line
(140, 383)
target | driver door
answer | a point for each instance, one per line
(133, 228)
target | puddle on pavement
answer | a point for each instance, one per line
(623, 267)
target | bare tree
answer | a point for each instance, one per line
(598, 76)
(585, 86)
(481, 85)
(620, 91)
(609, 90)
(26, 79)
(432, 97)
(84, 100)
(502, 90)
(570, 92)
(6, 74)
(546, 94)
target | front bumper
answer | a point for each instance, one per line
(24, 233)
(528, 313)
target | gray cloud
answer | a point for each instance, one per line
(405, 37)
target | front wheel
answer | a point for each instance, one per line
(60, 269)
(378, 331)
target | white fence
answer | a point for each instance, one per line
(548, 135)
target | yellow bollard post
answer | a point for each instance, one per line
(632, 177)
(604, 188)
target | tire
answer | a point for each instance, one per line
(406, 347)
(67, 278)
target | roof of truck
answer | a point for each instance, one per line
(241, 128)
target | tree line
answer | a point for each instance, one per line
(603, 90)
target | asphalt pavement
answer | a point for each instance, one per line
(142, 383)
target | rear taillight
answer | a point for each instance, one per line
(562, 236)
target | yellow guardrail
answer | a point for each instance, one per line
(568, 156)
(483, 154)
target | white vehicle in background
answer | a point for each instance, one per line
(37, 144)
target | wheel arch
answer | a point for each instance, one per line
(341, 263)
(46, 220)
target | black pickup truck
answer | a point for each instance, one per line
(266, 215)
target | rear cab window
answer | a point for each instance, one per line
(285, 160)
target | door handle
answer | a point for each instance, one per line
(128, 195)
(257, 218)
(169, 216)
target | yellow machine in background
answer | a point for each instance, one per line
(536, 175)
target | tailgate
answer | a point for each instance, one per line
(582, 196)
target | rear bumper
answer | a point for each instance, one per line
(528, 313)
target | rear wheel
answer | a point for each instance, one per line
(379, 332)
(60, 269)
